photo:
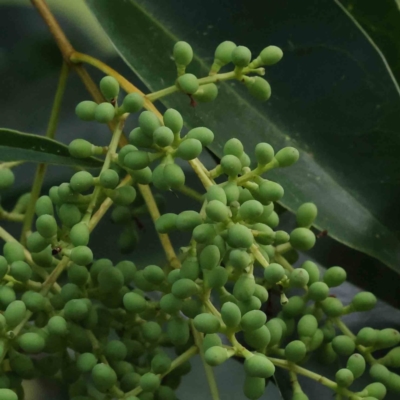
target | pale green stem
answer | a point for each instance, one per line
(41, 168)
(187, 191)
(11, 164)
(111, 150)
(282, 260)
(198, 340)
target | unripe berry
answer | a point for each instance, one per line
(241, 56)
(306, 215)
(335, 276)
(223, 55)
(189, 149)
(132, 103)
(80, 148)
(344, 377)
(239, 236)
(259, 366)
(367, 336)
(307, 325)
(356, 364)
(46, 225)
(188, 220)
(264, 153)
(259, 88)
(318, 291)
(148, 123)
(81, 255)
(287, 156)
(166, 223)
(104, 113)
(270, 191)
(187, 83)
(295, 351)
(173, 120)
(206, 323)
(81, 181)
(230, 314)
(363, 301)
(259, 338)
(274, 273)
(332, 307)
(109, 87)
(216, 355)
(85, 110)
(302, 239)
(174, 176)
(206, 93)
(343, 345)
(104, 377)
(163, 136)
(204, 135)
(109, 179)
(183, 54)
(298, 278)
(253, 320)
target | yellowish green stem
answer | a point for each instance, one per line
(41, 168)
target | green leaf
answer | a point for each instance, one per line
(16, 145)
(333, 98)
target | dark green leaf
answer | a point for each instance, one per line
(16, 145)
(333, 98)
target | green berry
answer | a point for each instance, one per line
(189, 149)
(178, 331)
(124, 195)
(170, 304)
(231, 165)
(137, 159)
(133, 102)
(356, 364)
(295, 351)
(86, 362)
(299, 278)
(253, 320)
(151, 331)
(79, 234)
(210, 340)
(142, 176)
(81, 181)
(206, 323)
(154, 274)
(344, 377)
(109, 87)
(187, 83)
(15, 313)
(190, 268)
(294, 307)
(302, 239)
(204, 135)
(104, 113)
(216, 278)
(78, 275)
(216, 355)
(31, 342)
(134, 302)
(307, 325)
(240, 236)
(138, 138)
(306, 215)
(259, 338)
(34, 301)
(173, 120)
(271, 55)
(332, 307)
(163, 136)
(261, 293)
(76, 310)
(46, 225)
(188, 220)
(363, 301)
(166, 223)
(318, 291)
(184, 288)
(250, 210)
(223, 54)
(258, 87)
(115, 350)
(259, 366)
(36, 242)
(387, 337)
(7, 394)
(253, 387)
(149, 382)
(232, 192)
(85, 110)
(343, 345)
(148, 122)
(377, 390)
(274, 273)
(81, 255)
(244, 287)
(239, 258)
(160, 363)
(276, 328)
(270, 191)
(206, 93)
(57, 326)
(313, 271)
(174, 176)
(264, 153)
(69, 215)
(158, 178)
(80, 148)
(335, 276)
(217, 211)
(182, 53)
(202, 233)
(110, 280)
(230, 314)
(241, 56)
(44, 205)
(21, 271)
(104, 377)
(209, 257)
(287, 156)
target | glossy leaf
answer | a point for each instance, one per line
(333, 98)
(16, 145)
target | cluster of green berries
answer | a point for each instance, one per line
(103, 334)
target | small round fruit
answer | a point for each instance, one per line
(302, 239)
(173, 120)
(239, 236)
(363, 301)
(295, 351)
(188, 83)
(80, 148)
(206, 93)
(81, 181)
(335, 276)
(206, 323)
(182, 53)
(85, 110)
(163, 136)
(287, 156)
(241, 56)
(264, 153)
(109, 87)
(343, 345)
(258, 87)
(216, 355)
(189, 149)
(204, 135)
(306, 215)
(133, 102)
(104, 113)
(344, 377)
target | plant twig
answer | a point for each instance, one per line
(42, 167)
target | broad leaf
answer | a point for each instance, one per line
(16, 145)
(333, 98)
